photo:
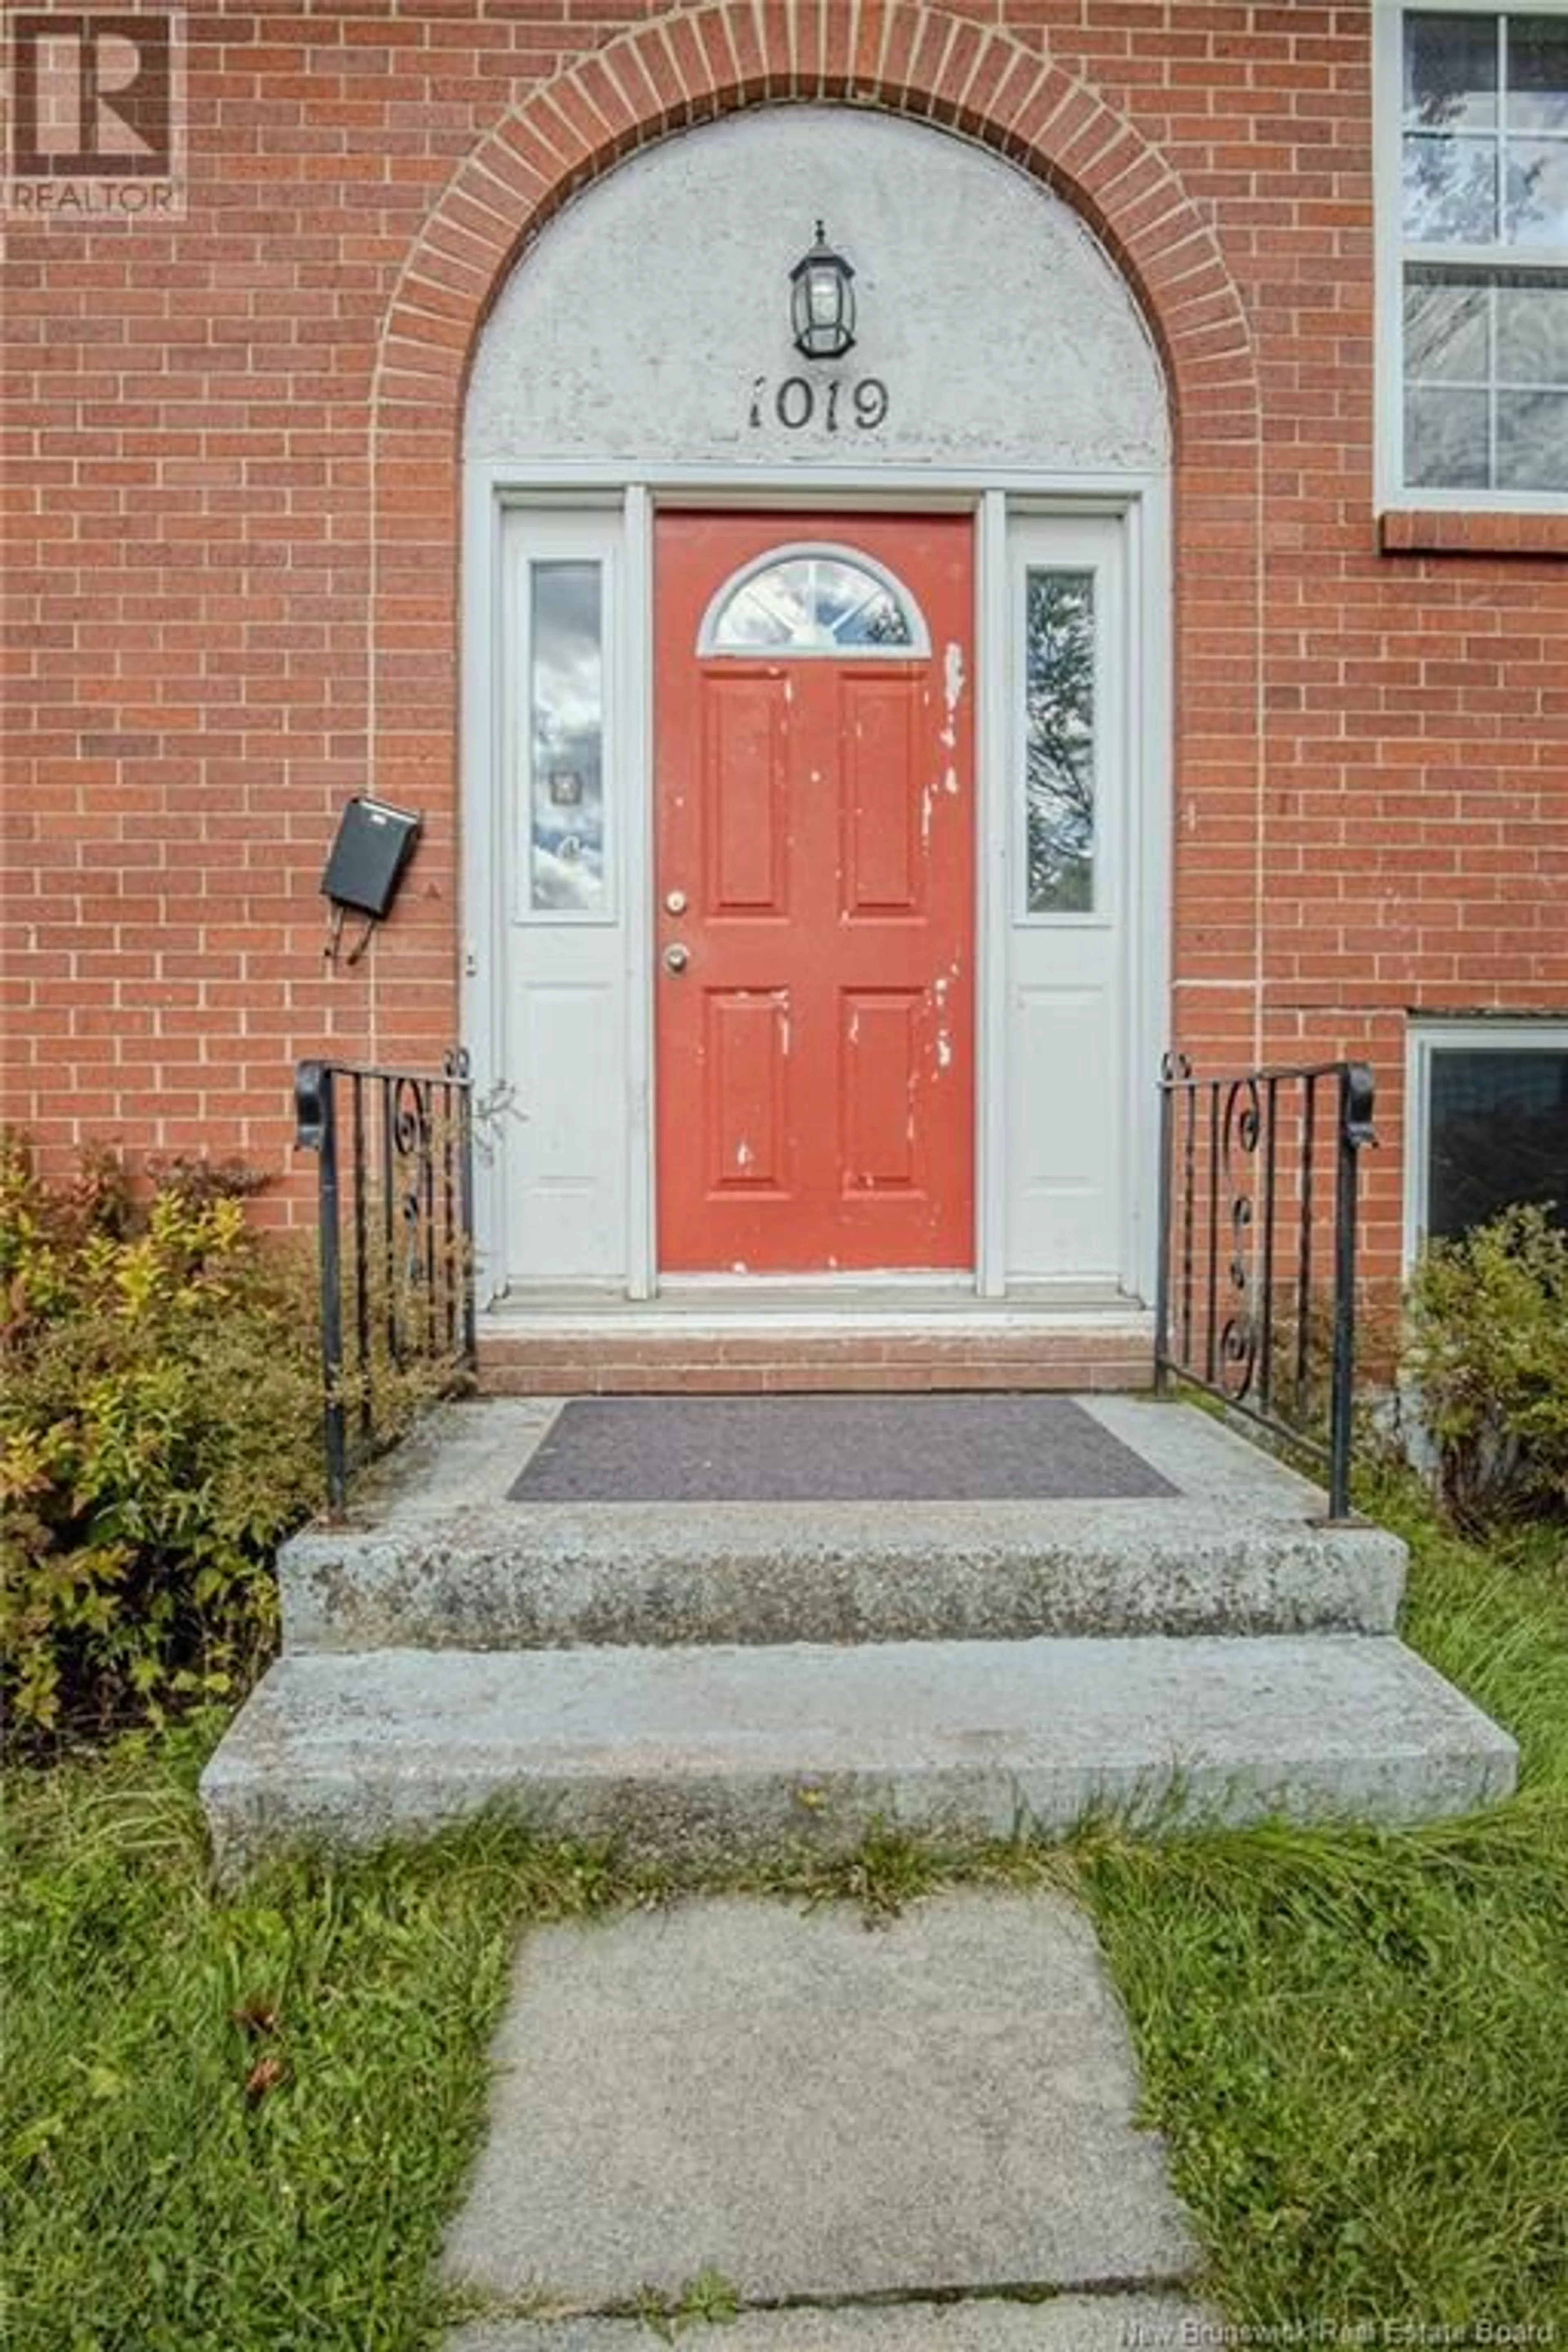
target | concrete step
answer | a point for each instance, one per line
(625, 1575)
(717, 1752)
(437, 1557)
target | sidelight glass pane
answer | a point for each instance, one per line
(1059, 742)
(1497, 1133)
(566, 640)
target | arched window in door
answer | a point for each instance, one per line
(814, 600)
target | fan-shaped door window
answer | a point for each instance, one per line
(814, 600)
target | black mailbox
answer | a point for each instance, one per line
(373, 846)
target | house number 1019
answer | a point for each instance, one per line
(796, 403)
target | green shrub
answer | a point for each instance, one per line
(1488, 1358)
(159, 1435)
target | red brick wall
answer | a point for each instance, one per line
(232, 530)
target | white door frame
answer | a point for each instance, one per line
(1141, 500)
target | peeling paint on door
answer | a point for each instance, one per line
(824, 807)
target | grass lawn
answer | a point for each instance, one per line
(238, 2122)
(1357, 2043)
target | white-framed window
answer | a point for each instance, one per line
(1471, 146)
(1486, 1124)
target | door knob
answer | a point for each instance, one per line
(676, 958)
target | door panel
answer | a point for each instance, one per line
(815, 862)
(880, 1059)
(747, 1050)
(884, 863)
(745, 791)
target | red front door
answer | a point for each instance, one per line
(816, 893)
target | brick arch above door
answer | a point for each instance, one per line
(648, 325)
(696, 65)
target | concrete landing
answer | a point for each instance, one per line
(833, 1449)
(436, 1556)
(813, 2109)
(711, 1752)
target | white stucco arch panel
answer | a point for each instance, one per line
(650, 322)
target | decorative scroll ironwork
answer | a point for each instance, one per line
(1256, 1296)
(395, 1231)
(1242, 1131)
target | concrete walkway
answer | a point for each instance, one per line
(1069, 2323)
(842, 2123)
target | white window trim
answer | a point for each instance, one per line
(1388, 88)
(1480, 1033)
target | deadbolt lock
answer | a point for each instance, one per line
(675, 902)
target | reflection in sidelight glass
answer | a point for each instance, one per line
(1059, 742)
(566, 701)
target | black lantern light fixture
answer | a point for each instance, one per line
(822, 302)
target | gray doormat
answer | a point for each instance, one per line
(830, 1449)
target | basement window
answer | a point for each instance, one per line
(1472, 190)
(1488, 1124)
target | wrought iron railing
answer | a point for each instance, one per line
(1256, 1298)
(396, 1224)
